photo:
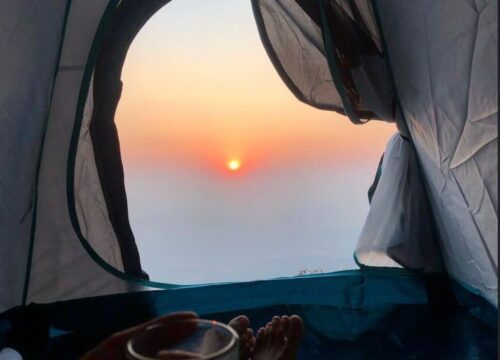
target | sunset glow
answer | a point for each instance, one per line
(221, 159)
(178, 109)
(233, 165)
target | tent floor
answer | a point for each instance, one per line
(347, 315)
(389, 332)
(382, 332)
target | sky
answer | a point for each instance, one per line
(200, 91)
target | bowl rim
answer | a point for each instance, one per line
(232, 343)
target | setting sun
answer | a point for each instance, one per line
(233, 165)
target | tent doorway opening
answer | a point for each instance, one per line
(71, 274)
(199, 93)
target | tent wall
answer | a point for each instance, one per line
(62, 267)
(307, 38)
(30, 38)
(399, 229)
(330, 55)
(294, 43)
(444, 69)
(101, 131)
(444, 57)
(56, 224)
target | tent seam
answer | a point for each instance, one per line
(468, 86)
(278, 65)
(483, 241)
(37, 176)
(328, 40)
(418, 164)
(73, 148)
(433, 121)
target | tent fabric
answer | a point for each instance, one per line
(330, 55)
(58, 239)
(90, 204)
(30, 37)
(445, 70)
(346, 317)
(355, 53)
(294, 43)
(456, 144)
(106, 90)
(398, 231)
(61, 267)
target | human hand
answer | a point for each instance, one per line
(113, 348)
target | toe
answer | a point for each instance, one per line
(276, 321)
(244, 338)
(295, 328)
(285, 321)
(293, 334)
(248, 347)
(261, 335)
(274, 329)
(240, 324)
(279, 332)
(260, 340)
(248, 335)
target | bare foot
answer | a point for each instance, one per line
(279, 340)
(247, 341)
(293, 334)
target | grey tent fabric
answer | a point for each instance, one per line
(445, 69)
(382, 225)
(30, 36)
(446, 77)
(127, 20)
(356, 55)
(90, 205)
(399, 227)
(56, 237)
(62, 268)
(44, 51)
(70, 250)
(330, 54)
(294, 43)
(398, 231)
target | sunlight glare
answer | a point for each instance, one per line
(233, 165)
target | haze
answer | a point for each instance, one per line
(200, 91)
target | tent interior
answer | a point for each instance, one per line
(427, 283)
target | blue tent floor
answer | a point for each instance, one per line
(349, 315)
(390, 332)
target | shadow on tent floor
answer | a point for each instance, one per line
(389, 332)
(392, 332)
(347, 316)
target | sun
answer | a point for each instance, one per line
(233, 164)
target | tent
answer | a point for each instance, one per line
(70, 272)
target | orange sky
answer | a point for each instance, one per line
(200, 90)
(199, 95)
